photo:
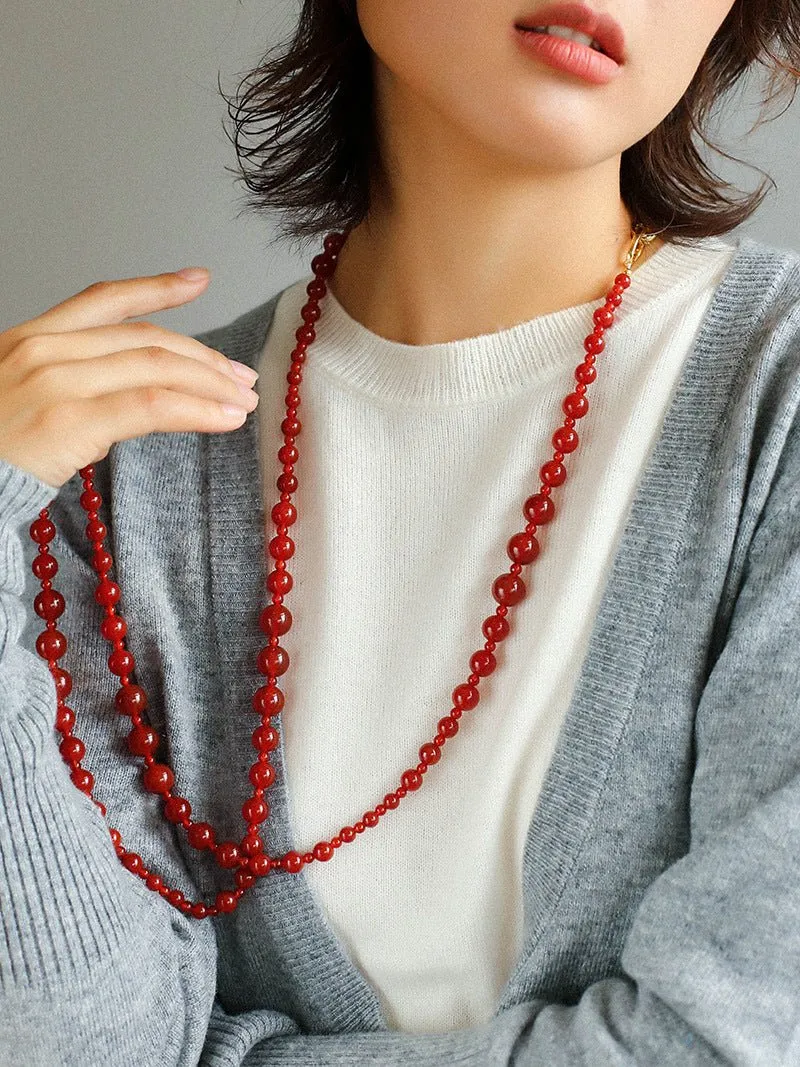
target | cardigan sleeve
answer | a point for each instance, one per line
(94, 967)
(712, 959)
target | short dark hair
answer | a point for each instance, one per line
(307, 108)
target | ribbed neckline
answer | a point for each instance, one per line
(499, 364)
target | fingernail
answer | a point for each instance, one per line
(245, 372)
(193, 274)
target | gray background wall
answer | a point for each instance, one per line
(113, 153)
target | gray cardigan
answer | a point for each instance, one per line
(662, 868)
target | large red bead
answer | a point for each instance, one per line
(51, 644)
(323, 851)
(565, 439)
(65, 718)
(483, 662)
(448, 726)
(260, 865)
(102, 561)
(176, 809)
(252, 845)
(121, 661)
(594, 343)
(292, 862)
(262, 775)
(508, 589)
(91, 500)
(279, 582)
(585, 374)
(45, 567)
(411, 779)
(265, 738)
(63, 682)
(226, 901)
(113, 627)
(227, 854)
(522, 548)
(268, 700)
(130, 699)
(275, 619)
(255, 810)
(273, 661)
(95, 530)
(82, 779)
(72, 749)
(49, 604)
(553, 473)
(284, 513)
(603, 316)
(539, 508)
(158, 778)
(575, 405)
(42, 530)
(142, 740)
(107, 592)
(430, 753)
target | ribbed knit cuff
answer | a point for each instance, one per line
(22, 495)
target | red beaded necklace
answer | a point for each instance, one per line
(248, 857)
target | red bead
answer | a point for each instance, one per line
(49, 604)
(323, 265)
(259, 865)
(51, 644)
(95, 530)
(107, 593)
(65, 718)
(45, 567)
(200, 835)
(158, 778)
(244, 878)
(121, 661)
(130, 699)
(347, 834)
(102, 561)
(82, 779)
(273, 661)
(553, 473)
(539, 508)
(227, 854)
(115, 835)
(142, 740)
(575, 405)
(465, 697)
(198, 910)
(42, 530)
(275, 620)
(323, 851)
(91, 500)
(508, 589)
(176, 809)
(252, 845)
(483, 662)
(255, 810)
(175, 897)
(333, 242)
(268, 700)
(614, 297)
(359, 827)
(585, 373)
(265, 738)
(565, 439)
(623, 280)
(495, 628)
(262, 775)
(132, 861)
(603, 316)
(288, 454)
(371, 818)
(113, 627)
(306, 334)
(594, 344)
(522, 548)
(448, 726)
(411, 780)
(227, 901)
(287, 483)
(63, 682)
(292, 862)
(310, 312)
(430, 753)
(72, 749)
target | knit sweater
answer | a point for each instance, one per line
(416, 463)
(660, 876)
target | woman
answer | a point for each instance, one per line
(592, 858)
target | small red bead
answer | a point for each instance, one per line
(360, 827)
(448, 726)
(226, 901)
(176, 809)
(323, 851)
(465, 696)
(411, 780)
(268, 700)
(483, 662)
(265, 738)
(200, 835)
(228, 854)
(72, 749)
(158, 778)
(255, 810)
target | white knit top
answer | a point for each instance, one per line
(414, 465)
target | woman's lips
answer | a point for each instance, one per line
(602, 27)
(569, 56)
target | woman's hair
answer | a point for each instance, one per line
(307, 109)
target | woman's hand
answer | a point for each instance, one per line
(77, 378)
